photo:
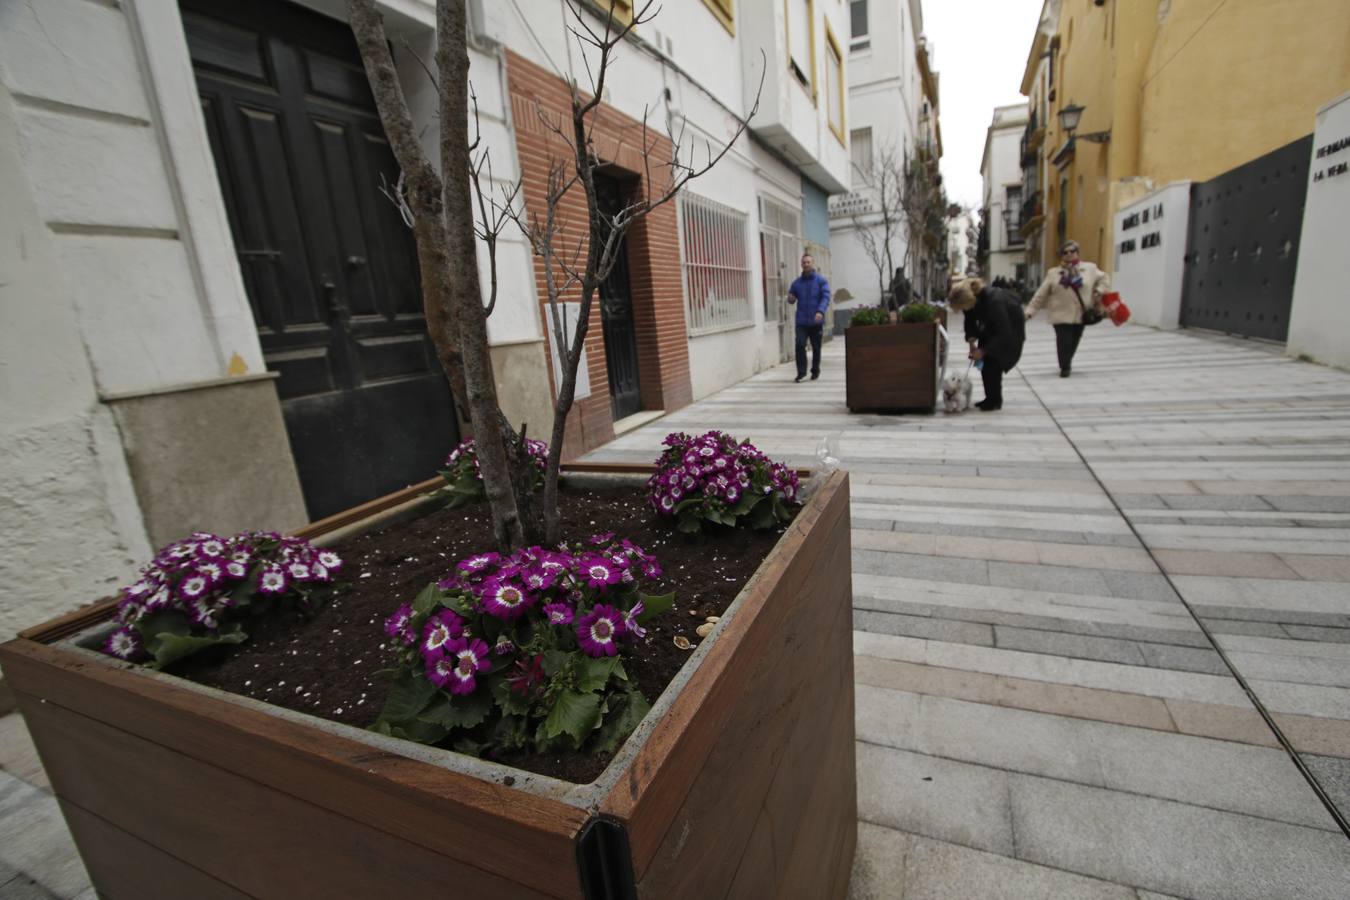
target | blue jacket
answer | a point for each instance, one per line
(813, 296)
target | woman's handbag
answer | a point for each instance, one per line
(1090, 316)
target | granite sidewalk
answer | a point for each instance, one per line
(1057, 607)
(1062, 612)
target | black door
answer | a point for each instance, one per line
(616, 311)
(1242, 245)
(329, 266)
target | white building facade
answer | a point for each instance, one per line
(211, 318)
(1001, 169)
(893, 114)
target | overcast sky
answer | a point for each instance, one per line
(980, 47)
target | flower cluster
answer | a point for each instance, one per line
(464, 481)
(190, 594)
(715, 478)
(523, 650)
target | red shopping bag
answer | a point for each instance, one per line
(1116, 310)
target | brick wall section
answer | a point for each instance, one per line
(653, 248)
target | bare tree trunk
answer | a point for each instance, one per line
(462, 284)
(423, 191)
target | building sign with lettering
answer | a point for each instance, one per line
(1335, 169)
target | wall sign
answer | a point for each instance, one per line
(1133, 220)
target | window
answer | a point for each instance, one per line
(724, 11)
(859, 35)
(779, 249)
(834, 84)
(716, 261)
(860, 146)
(801, 38)
(1013, 204)
(623, 10)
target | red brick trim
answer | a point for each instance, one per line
(653, 248)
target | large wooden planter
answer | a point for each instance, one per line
(740, 782)
(891, 367)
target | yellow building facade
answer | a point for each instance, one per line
(1170, 90)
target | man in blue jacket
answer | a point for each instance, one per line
(811, 293)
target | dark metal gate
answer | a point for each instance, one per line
(1242, 245)
(616, 311)
(329, 266)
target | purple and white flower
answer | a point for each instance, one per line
(124, 643)
(503, 599)
(599, 631)
(272, 580)
(439, 632)
(558, 613)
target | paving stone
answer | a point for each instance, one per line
(1228, 565)
(876, 562)
(920, 627)
(1287, 503)
(934, 797)
(1140, 586)
(34, 840)
(1175, 848)
(1314, 734)
(1236, 626)
(879, 863)
(1075, 646)
(1185, 659)
(1061, 579)
(1204, 501)
(1083, 703)
(1318, 567)
(1283, 617)
(18, 757)
(1299, 669)
(1130, 502)
(1317, 633)
(21, 887)
(1333, 775)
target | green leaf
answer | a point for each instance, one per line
(627, 711)
(511, 702)
(421, 732)
(594, 674)
(463, 711)
(167, 647)
(653, 606)
(574, 714)
(555, 661)
(762, 517)
(689, 522)
(509, 732)
(410, 695)
(690, 503)
(428, 600)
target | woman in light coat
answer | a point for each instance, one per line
(1060, 294)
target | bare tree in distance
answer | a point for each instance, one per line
(886, 179)
(924, 202)
(446, 228)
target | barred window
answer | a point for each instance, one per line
(716, 265)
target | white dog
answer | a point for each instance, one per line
(956, 389)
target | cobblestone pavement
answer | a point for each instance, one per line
(1063, 611)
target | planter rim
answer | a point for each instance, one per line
(605, 793)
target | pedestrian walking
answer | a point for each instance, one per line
(1072, 295)
(995, 330)
(811, 293)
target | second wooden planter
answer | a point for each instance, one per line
(740, 782)
(892, 367)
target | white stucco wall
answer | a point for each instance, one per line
(1319, 321)
(69, 520)
(1149, 278)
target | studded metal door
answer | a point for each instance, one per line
(1242, 245)
(616, 313)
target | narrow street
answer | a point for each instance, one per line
(1057, 605)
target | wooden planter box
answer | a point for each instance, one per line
(740, 782)
(891, 367)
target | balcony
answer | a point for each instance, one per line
(1032, 138)
(1033, 214)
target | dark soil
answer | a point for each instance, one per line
(327, 666)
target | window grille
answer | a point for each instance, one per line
(716, 263)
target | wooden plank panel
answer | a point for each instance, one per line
(123, 866)
(775, 771)
(517, 835)
(664, 772)
(232, 828)
(891, 367)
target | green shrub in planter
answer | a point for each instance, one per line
(870, 315)
(918, 312)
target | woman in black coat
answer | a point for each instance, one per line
(995, 329)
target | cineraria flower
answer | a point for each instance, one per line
(668, 502)
(599, 572)
(212, 570)
(399, 625)
(211, 547)
(600, 539)
(299, 571)
(439, 631)
(540, 580)
(330, 560)
(318, 573)
(599, 630)
(503, 646)
(651, 569)
(478, 563)
(272, 580)
(236, 569)
(630, 621)
(138, 589)
(468, 658)
(160, 599)
(124, 643)
(203, 612)
(527, 675)
(193, 586)
(733, 493)
(503, 599)
(558, 613)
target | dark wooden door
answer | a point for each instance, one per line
(616, 311)
(329, 266)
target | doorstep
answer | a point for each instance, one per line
(637, 420)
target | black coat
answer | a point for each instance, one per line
(998, 323)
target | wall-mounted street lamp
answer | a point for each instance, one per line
(1069, 118)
